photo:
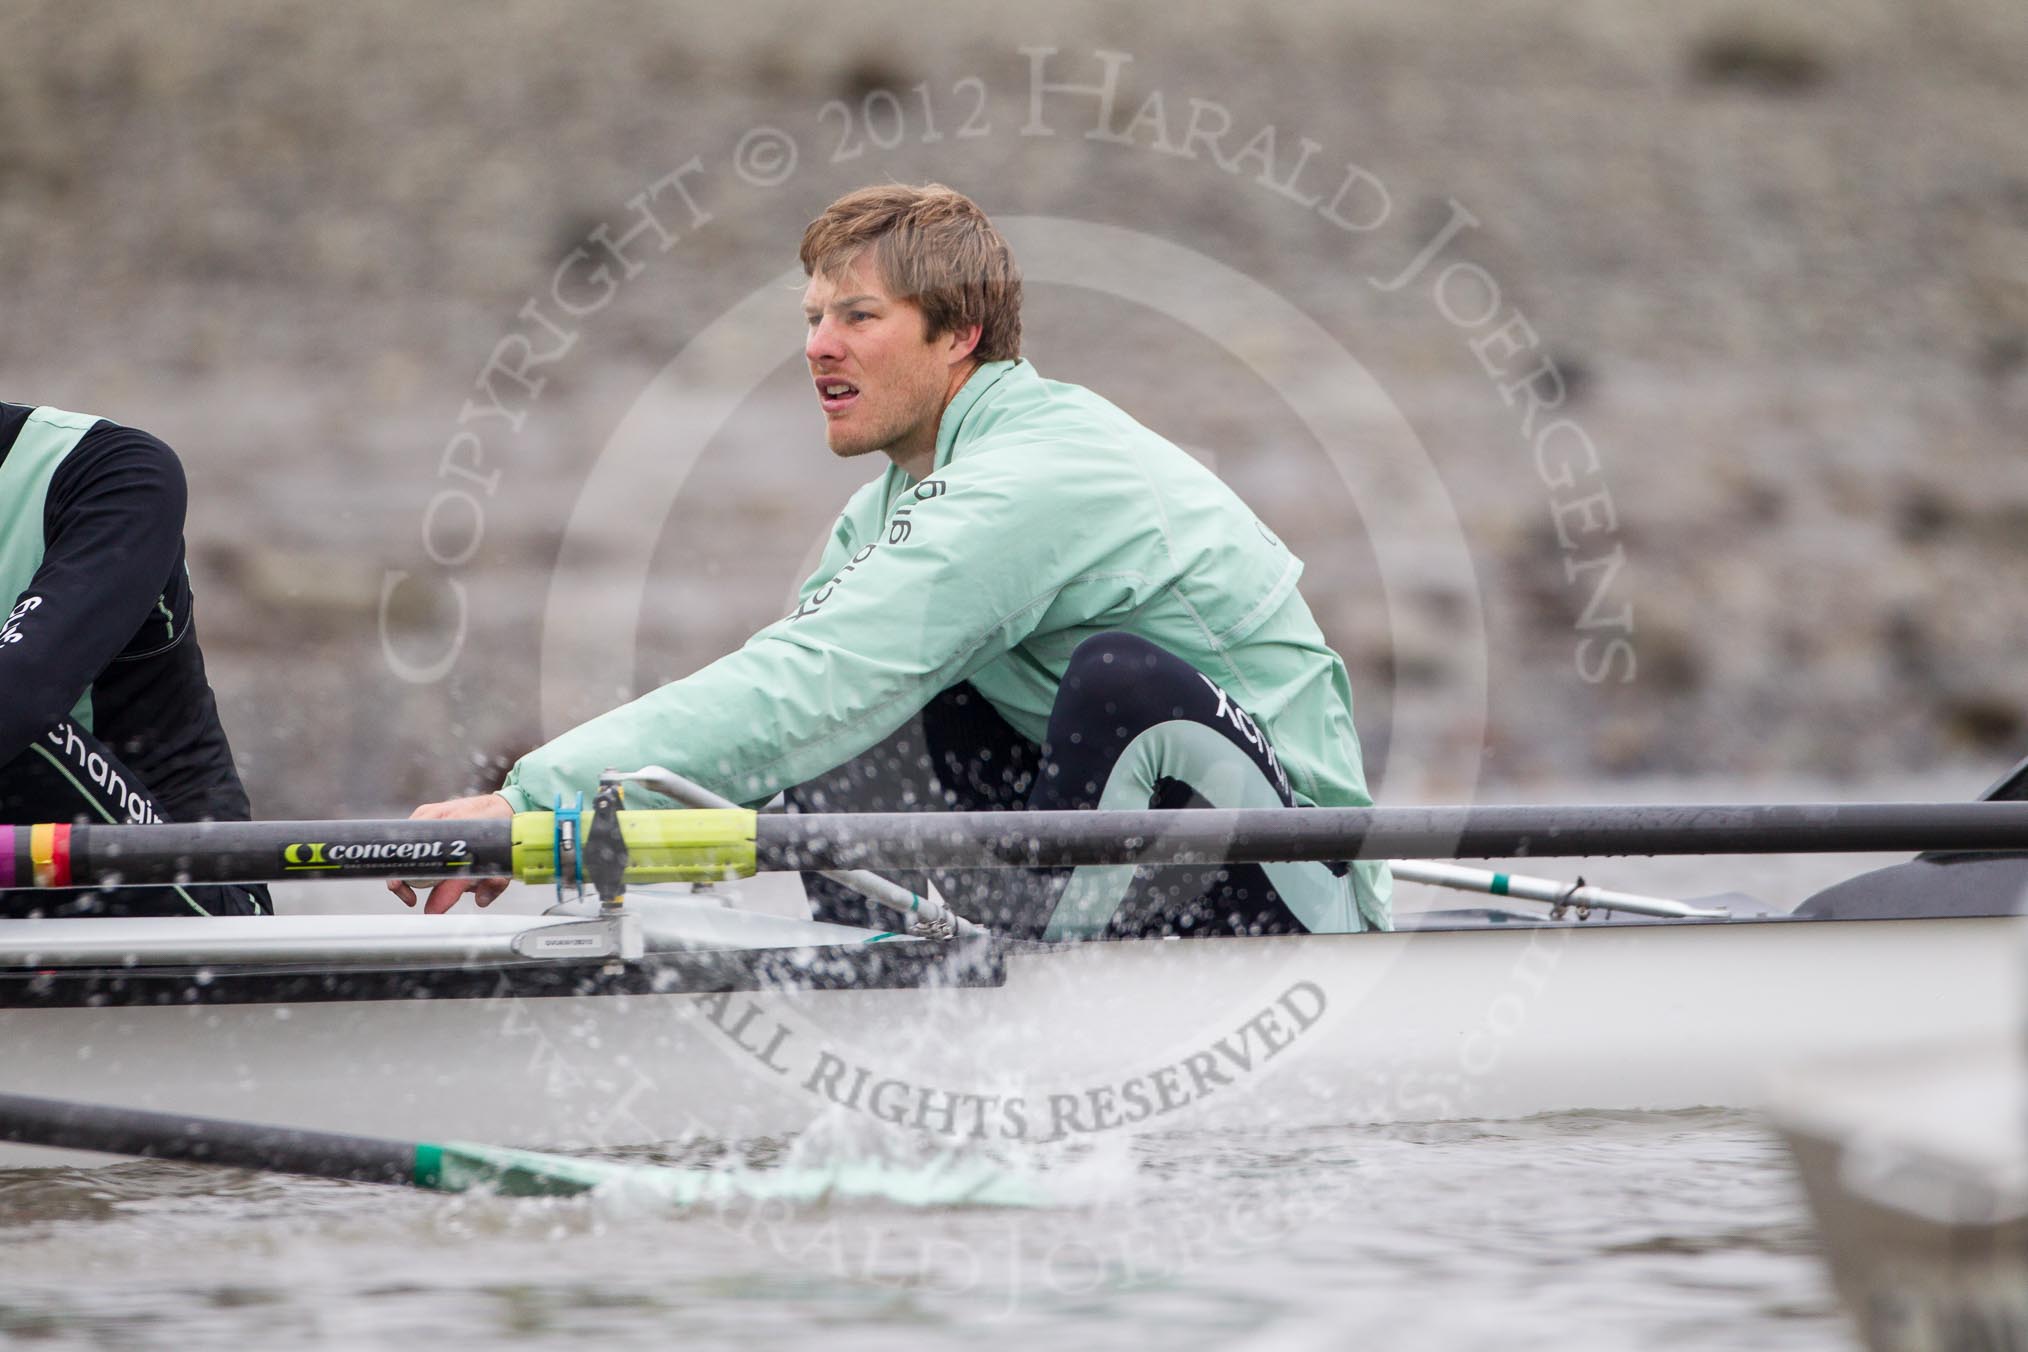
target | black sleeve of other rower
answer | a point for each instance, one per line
(112, 530)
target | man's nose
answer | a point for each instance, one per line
(823, 344)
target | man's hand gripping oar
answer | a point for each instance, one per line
(445, 894)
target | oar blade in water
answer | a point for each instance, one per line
(459, 1166)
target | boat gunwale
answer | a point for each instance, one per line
(848, 967)
(827, 967)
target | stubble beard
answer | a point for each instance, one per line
(919, 406)
(846, 444)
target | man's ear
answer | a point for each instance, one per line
(963, 342)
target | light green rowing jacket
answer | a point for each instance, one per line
(1050, 516)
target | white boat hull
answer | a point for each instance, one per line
(1078, 1042)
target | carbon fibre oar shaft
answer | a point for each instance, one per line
(60, 855)
(707, 844)
(1267, 835)
(203, 1140)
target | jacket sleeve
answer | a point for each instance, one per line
(964, 568)
(837, 549)
(112, 527)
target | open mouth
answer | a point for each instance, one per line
(836, 395)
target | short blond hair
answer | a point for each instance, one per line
(933, 246)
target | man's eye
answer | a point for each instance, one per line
(857, 315)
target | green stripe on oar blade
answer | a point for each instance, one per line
(460, 1166)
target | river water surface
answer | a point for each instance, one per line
(1576, 1231)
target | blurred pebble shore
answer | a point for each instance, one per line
(1778, 257)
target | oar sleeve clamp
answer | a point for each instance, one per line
(605, 849)
(569, 862)
(1561, 906)
(659, 847)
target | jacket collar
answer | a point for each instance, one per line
(975, 388)
(969, 394)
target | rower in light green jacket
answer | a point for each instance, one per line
(1032, 546)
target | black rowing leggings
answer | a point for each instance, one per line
(68, 775)
(1133, 727)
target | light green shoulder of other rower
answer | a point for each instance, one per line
(46, 437)
(1050, 516)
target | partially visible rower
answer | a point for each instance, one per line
(106, 714)
(1039, 603)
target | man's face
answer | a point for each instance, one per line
(881, 384)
